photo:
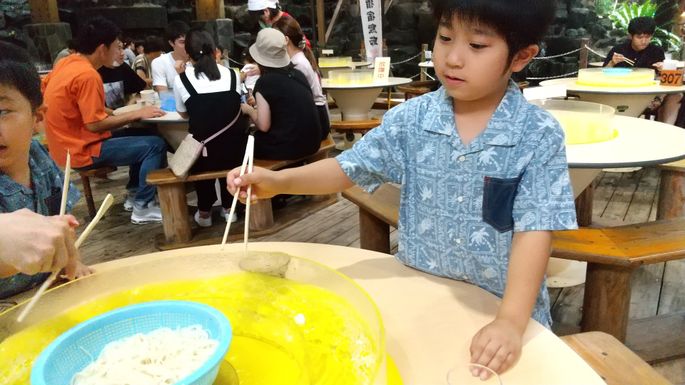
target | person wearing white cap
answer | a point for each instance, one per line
(267, 12)
(286, 117)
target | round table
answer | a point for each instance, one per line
(355, 100)
(354, 64)
(629, 101)
(429, 321)
(640, 142)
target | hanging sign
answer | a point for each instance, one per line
(381, 69)
(372, 17)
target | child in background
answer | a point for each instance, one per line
(483, 172)
(249, 75)
(30, 179)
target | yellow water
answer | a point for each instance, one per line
(584, 127)
(284, 332)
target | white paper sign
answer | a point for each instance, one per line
(372, 25)
(381, 69)
(327, 52)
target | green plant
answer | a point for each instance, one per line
(662, 12)
(604, 7)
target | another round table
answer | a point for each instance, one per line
(629, 101)
(355, 100)
(429, 321)
(354, 64)
(170, 126)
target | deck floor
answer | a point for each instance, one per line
(620, 198)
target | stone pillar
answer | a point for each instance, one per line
(44, 11)
(49, 38)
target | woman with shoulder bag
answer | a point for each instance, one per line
(208, 95)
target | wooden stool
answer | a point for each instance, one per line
(100, 172)
(418, 88)
(671, 190)
(615, 363)
(350, 127)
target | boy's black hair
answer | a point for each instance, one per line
(176, 29)
(520, 22)
(94, 32)
(200, 47)
(13, 52)
(642, 24)
(153, 44)
(71, 44)
(23, 77)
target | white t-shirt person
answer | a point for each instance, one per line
(202, 85)
(302, 64)
(164, 71)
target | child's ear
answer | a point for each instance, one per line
(523, 57)
(39, 117)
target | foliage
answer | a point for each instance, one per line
(662, 12)
(604, 7)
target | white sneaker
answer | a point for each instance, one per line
(129, 203)
(202, 222)
(150, 214)
(224, 214)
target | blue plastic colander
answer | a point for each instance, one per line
(64, 357)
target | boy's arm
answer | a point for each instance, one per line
(318, 178)
(498, 344)
(116, 121)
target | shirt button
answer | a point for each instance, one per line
(458, 241)
(460, 199)
(462, 158)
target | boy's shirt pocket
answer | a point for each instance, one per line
(498, 202)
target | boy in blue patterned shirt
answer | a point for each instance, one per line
(30, 181)
(484, 174)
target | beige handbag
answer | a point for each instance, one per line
(190, 149)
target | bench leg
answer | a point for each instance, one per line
(261, 215)
(172, 202)
(88, 195)
(584, 206)
(671, 195)
(607, 299)
(374, 234)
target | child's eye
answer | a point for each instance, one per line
(478, 46)
(4, 112)
(444, 38)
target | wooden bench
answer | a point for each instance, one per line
(613, 361)
(173, 203)
(85, 175)
(612, 254)
(671, 202)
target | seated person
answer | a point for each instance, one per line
(31, 245)
(142, 64)
(120, 81)
(638, 47)
(208, 94)
(166, 67)
(304, 61)
(76, 120)
(286, 116)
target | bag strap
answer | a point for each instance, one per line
(186, 83)
(223, 129)
(234, 82)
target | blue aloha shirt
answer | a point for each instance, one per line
(43, 199)
(460, 204)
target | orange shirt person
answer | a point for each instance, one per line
(76, 120)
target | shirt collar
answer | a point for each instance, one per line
(504, 128)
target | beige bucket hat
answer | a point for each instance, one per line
(270, 49)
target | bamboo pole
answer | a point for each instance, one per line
(44, 11)
(210, 10)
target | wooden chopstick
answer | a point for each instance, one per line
(62, 211)
(250, 168)
(629, 61)
(243, 168)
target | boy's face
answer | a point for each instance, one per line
(179, 45)
(18, 123)
(640, 41)
(471, 60)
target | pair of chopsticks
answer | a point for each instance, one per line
(106, 204)
(630, 62)
(247, 166)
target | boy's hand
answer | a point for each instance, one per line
(265, 183)
(150, 112)
(32, 243)
(497, 345)
(617, 58)
(180, 66)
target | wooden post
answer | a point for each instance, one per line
(422, 70)
(584, 206)
(374, 234)
(261, 215)
(172, 202)
(333, 19)
(210, 10)
(320, 22)
(44, 11)
(671, 193)
(583, 61)
(606, 301)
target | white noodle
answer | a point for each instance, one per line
(161, 357)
